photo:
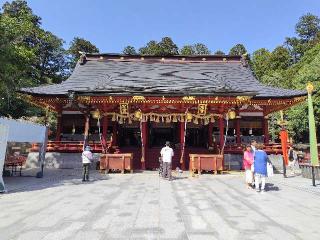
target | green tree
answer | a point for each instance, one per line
(152, 48)
(165, 47)
(15, 55)
(195, 49)
(306, 70)
(260, 62)
(201, 49)
(280, 58)
(29, 56)
(188, 50)
(129, 50)
(219, 52)
(308, 26)
(80, 45)
(168, 47)
(238, 49)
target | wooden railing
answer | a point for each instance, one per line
(269, 148)
(77, 146)
(71, 146)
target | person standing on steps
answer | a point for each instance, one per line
(86, 160)
(166, 155)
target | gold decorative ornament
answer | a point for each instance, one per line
(231, 114)
(138, 114)
(188, 98)
(202, 109)
(124, 108)
(243, 98)
(189, 117)
(84, 98)
(96, 114)
(310, 88)
(138, 98)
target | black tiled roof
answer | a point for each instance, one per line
(149, 78)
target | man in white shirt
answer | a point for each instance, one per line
(86, 160)
(166, 155)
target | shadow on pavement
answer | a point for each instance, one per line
(271, 187)
(52, 178)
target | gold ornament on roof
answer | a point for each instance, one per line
(84, 98)
(243, 98)
(138, 98)
(188, 98)
(310, 87)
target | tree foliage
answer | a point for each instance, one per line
(308, 27)
(29, 56)
(238, 49)
(219, 52)
(195, 49)
(188, 50)
(293, 65)
(129, 50)
(80, 45)
(165, 47)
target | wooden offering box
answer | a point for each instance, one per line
(205, 162)
(119, 161)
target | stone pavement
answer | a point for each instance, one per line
(142, 206)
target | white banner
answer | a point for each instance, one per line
(4, 131)
(22, 131)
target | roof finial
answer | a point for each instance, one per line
(244, 60)
(83, 58)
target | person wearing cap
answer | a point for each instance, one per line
(86, 160)
(166, 155)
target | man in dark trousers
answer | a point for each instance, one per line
(86, 160)
(166, 155)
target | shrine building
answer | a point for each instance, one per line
(134, 104)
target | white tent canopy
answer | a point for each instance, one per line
(19, 131)
(23, 131)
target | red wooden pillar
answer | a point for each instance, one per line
(86, 128)
(182, 145)
(266, 130)
(144, 136)
(221, 131)
(238, 133)
(210, 130)
(59, 126)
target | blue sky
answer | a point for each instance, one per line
(111, 25)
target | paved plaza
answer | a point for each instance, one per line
(142, 206)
